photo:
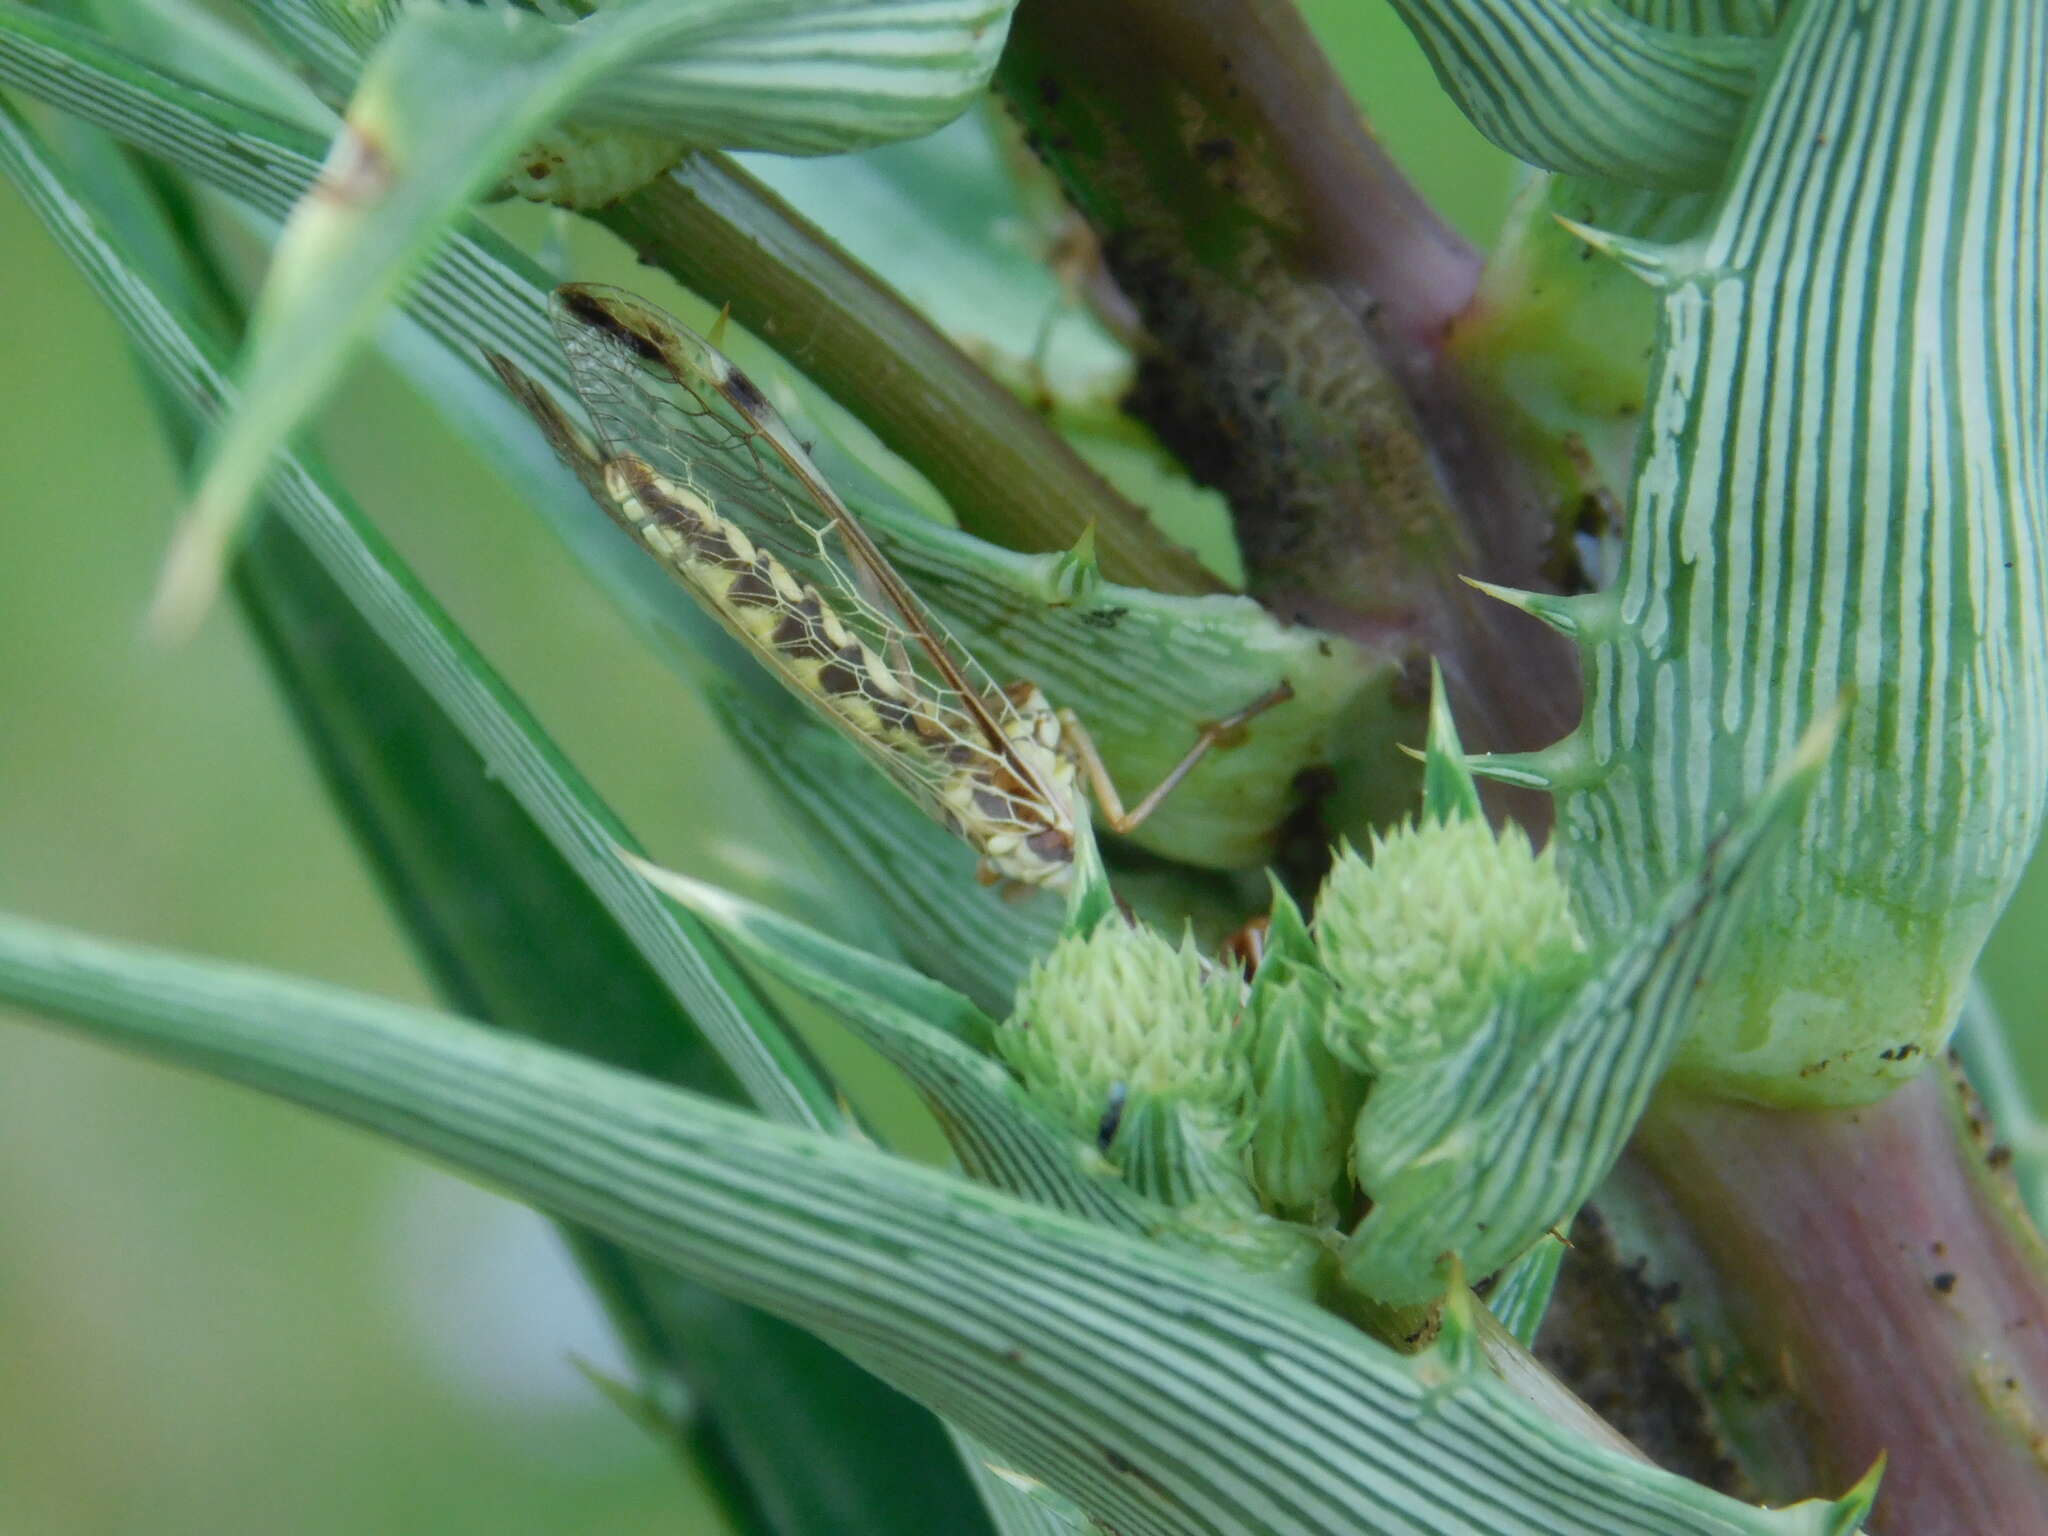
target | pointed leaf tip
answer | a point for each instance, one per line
(698, 896)
(1448, 791)
(1854, 1507)
(1566, 615)
(716, 335)
(1091, 900)
(190, 579)
(1524, 770)
(1563, 766)
(1076, 573)
(1653, 263)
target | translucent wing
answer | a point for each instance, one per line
(657, 390)
(678, 423)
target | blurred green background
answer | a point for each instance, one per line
(221, 1315)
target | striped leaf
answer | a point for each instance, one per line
(746, 1034)
(1521, 1295)
(1144, 670)
(811, 78)
(1164, 1397)
(938, 1041)
(444, 106)
(1562, 344)
(1743, 18)
(1580, 86)
(475, 864)
(1842, 489)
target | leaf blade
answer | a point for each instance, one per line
(1163, 1396)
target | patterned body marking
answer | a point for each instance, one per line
(693, 461)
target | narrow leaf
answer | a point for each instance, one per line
(1578, 86)
(939, 1041)
(797, 1437)
(1074, 1353)
(446, 102)
(776, 1073)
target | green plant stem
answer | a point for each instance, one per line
(1007, 475)
(1297, 290)
(1879, 1292)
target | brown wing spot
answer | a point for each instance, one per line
(662, 499)
(801, 632)
(744, 392)
(896, 715)
(672, 512)
(755, 587)
(844, 674)
(593, 312)
(1055, 845)
(993, 803)
(714, 548)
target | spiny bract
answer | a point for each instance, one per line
(1443, 922)
(1119, 1013)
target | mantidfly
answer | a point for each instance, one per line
(692, 460)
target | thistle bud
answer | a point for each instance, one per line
(1445, 921)
(1118, 1016)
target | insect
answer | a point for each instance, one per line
(692, 460)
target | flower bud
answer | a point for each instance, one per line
(1304, 1098)
(1118, 1015)
(1446, 920)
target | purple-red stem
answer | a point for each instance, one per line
(1885, 1295)
(1296, 291)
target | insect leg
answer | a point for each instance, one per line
(1114, 816)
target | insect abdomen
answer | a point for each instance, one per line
(755, 594)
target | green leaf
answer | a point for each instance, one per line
(1449, 792)
(448, 99)
(940, 1042)
(1521, 1295)
(747, 1036)
(1880, 527)
(810, 77)
(1023, 1506)
(1146, 670)
(798, 1437)
(1744, 18)
(1580, 86)
(1160, 1394)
